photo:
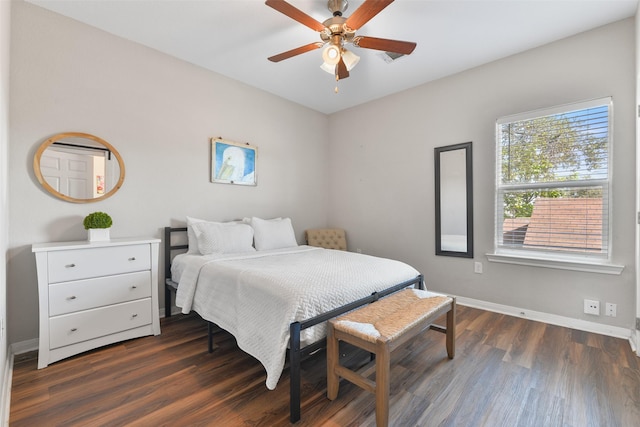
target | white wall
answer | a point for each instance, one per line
(159, 113)
(637, 69)
(5, 38)
(382, 183)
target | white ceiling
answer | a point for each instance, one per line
(235, 37)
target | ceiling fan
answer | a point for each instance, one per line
(337, 31)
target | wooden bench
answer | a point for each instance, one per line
(379, 328)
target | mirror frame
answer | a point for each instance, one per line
(36, 166)
(438, 151)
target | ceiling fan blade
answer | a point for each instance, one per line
(341, 70)
(387, 45)
(297, 51)
(365, 12)
(295, 14)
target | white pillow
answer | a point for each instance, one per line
(230, 237)
(273, 234)
(248, 220)
(191, 236)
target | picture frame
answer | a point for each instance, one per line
(454, 200)
(233, 162)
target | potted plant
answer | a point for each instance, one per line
(98, 224)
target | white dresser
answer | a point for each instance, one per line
(94, 294)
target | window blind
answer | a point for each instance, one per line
(553, 186)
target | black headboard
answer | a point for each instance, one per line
(169, 248)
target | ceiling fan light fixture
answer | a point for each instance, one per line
(331, 69)
(350, 59)
(331, 54)
(337, 31)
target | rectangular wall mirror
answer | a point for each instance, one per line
(454, 200)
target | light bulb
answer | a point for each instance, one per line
(331, 54)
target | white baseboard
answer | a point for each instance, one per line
(568, 322)
(23, 346)
(635, 342)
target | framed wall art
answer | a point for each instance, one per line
(233, 162)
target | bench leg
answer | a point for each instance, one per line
(451, 330)
(383, 361)
(333, 360)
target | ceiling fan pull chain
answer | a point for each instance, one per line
(337, 80)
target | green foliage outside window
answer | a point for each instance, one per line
(550, 149)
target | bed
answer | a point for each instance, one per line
(275, 298)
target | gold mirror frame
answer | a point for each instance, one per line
(53, 191)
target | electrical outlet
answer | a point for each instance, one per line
(610, 309)
(477, 267)
(592, 307)
(358, 250)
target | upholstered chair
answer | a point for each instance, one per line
(329, 238)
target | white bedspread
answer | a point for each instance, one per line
(255, 296)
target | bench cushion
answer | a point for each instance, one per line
(387, 318)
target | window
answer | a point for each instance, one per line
(552, 192)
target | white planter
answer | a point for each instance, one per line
(98, 234)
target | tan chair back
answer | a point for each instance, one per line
(329, 238)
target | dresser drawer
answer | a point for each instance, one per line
(70, 265)
(85, 325)
(67, 297)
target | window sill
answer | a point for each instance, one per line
(562, 264)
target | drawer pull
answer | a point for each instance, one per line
(74, 329)
(134, 315)
(134, 287)
(72, 297)
(132, 258)
(70, 265)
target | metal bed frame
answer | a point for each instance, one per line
(296, 353)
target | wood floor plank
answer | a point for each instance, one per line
(507, 371)
(525, 343)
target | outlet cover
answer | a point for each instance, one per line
(592, 307)
(610, 309)
(477, 267)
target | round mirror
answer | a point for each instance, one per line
(79, 167)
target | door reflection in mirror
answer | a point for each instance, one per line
(79, 167)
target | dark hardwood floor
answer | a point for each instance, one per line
(507, 371)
